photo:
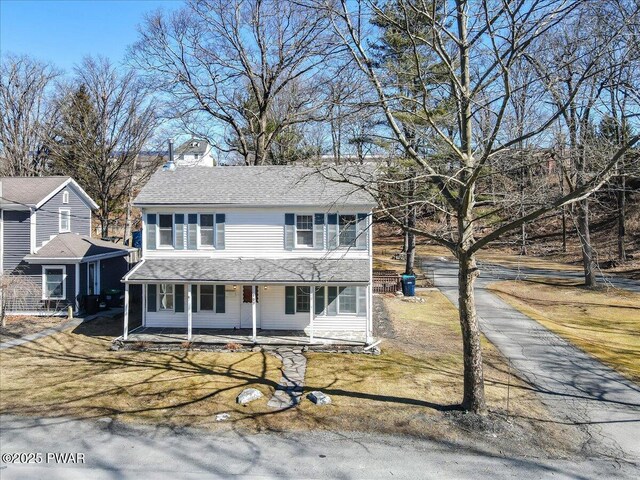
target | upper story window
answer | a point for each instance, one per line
(347, 224)
(166, 230)
(206, 230)
(65, 197)
(64, 221)
(304, 230)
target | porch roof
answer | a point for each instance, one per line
(251, 270)
(74, 248)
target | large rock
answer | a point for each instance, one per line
(319, 398)
(248, 395)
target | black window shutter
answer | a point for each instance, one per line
(289, 230)
(319, 301)
(290, 300)
(179, 295)
(152, 221)
(332, 300)
(220, 222)
(179, 221)
(151, 298)
(361, 232)
(194, 298)
(318, 231)
(192, 232)
(332, 231)
(220, 299)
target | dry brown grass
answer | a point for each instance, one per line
(21, 325)
(412, 388)
(604, 323)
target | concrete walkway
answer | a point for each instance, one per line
(289, 389)
(573, 384)
(66, 324)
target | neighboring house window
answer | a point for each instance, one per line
(65, 221)
(166, 230)
(304, 230)
(206, 297)
(65, 197)
(53, 283)
(347, 224)
(165, 293)
(348, 300)
(196, 156)
(303, 299)
(206, 230)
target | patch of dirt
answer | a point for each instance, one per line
(17, 326)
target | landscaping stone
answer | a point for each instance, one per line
(248, 395)
(319, 398)
(222, 417)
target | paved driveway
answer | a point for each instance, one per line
(574, 385)
(154, 453)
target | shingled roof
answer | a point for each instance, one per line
(254, 271)
(251, 186)
(74, 247)
(32, 191)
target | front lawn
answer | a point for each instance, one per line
(17, 326)
(413, 388)
(603, 322)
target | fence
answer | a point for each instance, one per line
(386, 281)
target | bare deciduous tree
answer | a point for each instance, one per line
(106, 120)
(227, 64)
(477, 47)
(27, 114)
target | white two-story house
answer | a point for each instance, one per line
(266, 249)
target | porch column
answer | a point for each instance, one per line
(189, 312)
(369, 316)
(312, 300)
(126, 311)
(253, 311)
(77, 289)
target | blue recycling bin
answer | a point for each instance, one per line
(409, 285)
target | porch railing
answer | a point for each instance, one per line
(386, 281)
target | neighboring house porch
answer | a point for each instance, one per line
(289, 301)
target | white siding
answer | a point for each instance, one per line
(273, 316)
(255, 233)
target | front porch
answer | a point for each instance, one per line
(245, 336)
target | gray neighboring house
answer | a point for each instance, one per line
(48, 259)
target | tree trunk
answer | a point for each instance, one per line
(411, 243)
(622, 253)
(473, 397)
(585, 243)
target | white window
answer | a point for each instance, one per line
(65, 197)
(165, 294)
(206, 297)
(166, 230)
(303, 299)
(348, 300)
(53, 282)
(304, 230)
(206, 230)
(65, 221)
(347, 224)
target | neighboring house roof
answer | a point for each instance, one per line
(77, 248)
(253, 186)
(251, 270)
(35, 191)
(193, 146)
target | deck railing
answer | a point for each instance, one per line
(386, 281)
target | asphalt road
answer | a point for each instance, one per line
(574, 385)
(117, 452)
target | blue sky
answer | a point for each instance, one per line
(64, 31)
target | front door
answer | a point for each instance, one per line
(246, 320)
(93, 276)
